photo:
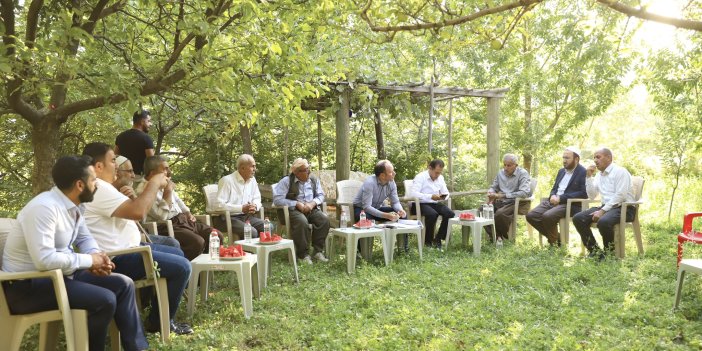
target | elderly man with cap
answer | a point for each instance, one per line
(569, 184)
(302, 193)
(125, 184)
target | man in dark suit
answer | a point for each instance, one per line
(569, 184)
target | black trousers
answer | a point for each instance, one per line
(431, 213)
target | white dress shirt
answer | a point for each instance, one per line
(564, 181)
(161, 210)
(111, 233)
(44, 235)
(234, 192)
(613, 185)
(424, 187)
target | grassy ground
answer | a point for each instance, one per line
(520, 297)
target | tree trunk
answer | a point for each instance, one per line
(528, 152)
(246, 138)
(379, 141)
(46, 143)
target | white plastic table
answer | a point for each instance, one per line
(392, 230)
(476, 228)
(243, 268)
(352, 235)
(263, 252)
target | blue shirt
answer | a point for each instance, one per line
(305, 193)
(373, 194)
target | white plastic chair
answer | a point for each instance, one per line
(210, 192)
(513, 227)
(686, 265)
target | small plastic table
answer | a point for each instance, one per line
(352, 235)
(392, 230)
(246, 272)
(263, 251)
(476, 228)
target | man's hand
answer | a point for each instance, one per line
(391, 216)
(190, 216)
(160, 179)
(248, 208)
(555, 200)
(302, 207)
(591, 169)
(128, 191)
(436, 197)
(102, 265)
(597, 215)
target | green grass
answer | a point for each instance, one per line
(521, 297)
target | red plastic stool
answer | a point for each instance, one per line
(688, 235)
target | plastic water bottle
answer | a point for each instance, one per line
(214, 245)
(362, 216)
(344, 220)
(490, 212)
(499, 244)
(267, 226)
(247, 232)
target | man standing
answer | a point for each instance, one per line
(613, 184)
(124, 183)
(430, 187)
(303, 195)
(135, 144)
(238, 193)
(111, 220)
(191, 234)
(569, 184)
(511, 182)
(48, 228)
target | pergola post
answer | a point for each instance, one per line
(493, 138)
(343, 144)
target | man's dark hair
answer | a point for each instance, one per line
(68, 169)
(152, 163)
(140, 115)
(380, 168)
(436, 162)
(96, 151)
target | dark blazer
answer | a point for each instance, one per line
(575, 188)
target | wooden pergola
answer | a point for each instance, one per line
(436, 94)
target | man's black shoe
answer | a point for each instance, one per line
(177, 328)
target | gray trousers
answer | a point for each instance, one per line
(299, 226)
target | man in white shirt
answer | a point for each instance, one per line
(613, 184)
(238, 192)
(193, 236)
(47, 229)
(110, 217)
(430, 187)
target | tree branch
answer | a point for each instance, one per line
(445, 23)
(643, 14)
(32, 21)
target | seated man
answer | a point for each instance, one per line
(374, 191)
(238, 193)
(569, 184)
(192, 235)
(613, 183)
(111, 218)
(124, 183)
(303, 195)
(48, 226)
(511, 182)
(430, 188)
